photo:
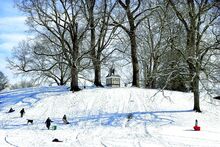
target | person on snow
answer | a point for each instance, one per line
(65, 119)
(196, 122)
(196, 127)
(11, 110)
(48, 123)
(22, 112)
(56, 140)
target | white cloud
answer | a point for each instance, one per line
(13, 24)
(12, 37)
(12, 19)
(8, 41)
(12, 30)
(6, 47)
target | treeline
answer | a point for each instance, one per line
(3, 81)
(167, 44)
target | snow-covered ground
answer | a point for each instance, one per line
(99, 117)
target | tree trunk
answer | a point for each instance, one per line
(74, 79)
(75, 55)
(127, 6)
(194, 76)
(145, 75)
(134, 58)
(195, 85)
(62, 81)
(192, 56)
(95, 61)
(193, 65)
(97, 70)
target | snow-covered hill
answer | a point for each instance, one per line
(99, 117)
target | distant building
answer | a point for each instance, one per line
(112, 79)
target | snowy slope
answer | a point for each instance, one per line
(98, 117)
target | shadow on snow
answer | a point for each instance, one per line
(158, 118)
(119, 119)
(19, 95)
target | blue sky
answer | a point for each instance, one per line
(12, 30)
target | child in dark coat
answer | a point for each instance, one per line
(11, 110)
(65, 120)
(22, 112)
(48, 123)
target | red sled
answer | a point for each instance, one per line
(196, 128)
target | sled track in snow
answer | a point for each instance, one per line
(9, 142)
(103, 144)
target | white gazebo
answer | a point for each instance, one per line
(112, 79)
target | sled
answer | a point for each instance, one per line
(54, 127)
(196, 128)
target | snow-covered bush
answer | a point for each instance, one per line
(23, 84)
(3, 81)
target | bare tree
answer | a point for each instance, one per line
(134, 16)
(101, 33)
(197, 18)
(153, 44)
(61, 19)
(35, 57)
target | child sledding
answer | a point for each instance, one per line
(49, 121)
(196, 127)
(65, 120)
(11, 110)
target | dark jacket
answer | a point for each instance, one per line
(48, 123)
(22, 112)
(65, 120)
